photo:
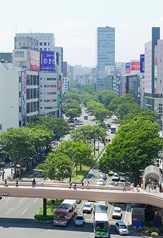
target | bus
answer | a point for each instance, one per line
(85, 117)
(64, 213)
(101, 224)
(113, 129)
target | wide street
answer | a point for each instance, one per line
(17, 214)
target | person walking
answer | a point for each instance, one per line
(5, 183)
(82, 185)
(75, 186)
(70, 185)
(88, 184)
(16, 183)
(124, 188)
(160, 188)
(33, 182)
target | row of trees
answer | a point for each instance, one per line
(20, 144)
(137, 143)
(70, 154)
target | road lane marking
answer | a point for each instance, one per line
(110, 211)
(9, 211)
(35, 200)
(24, 211)
(8, 199)
(21, 200)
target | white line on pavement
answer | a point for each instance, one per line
(8, 199)
(21, 200)
(9, 211)
(35, 200)
(24, 211)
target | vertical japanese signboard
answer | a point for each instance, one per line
(34, 60)
(47, 61)
(142, 63)
(23, 94)
(128, 68)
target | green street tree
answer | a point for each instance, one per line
(78, 152)
(135, 147)
(89, 133)
(17, 144)
(39, 137)
(57, 166)
(125, 108)
(119, 100)
(71, 95)
(71, 109)
(55, 126)
(138, 112)
(101, 113)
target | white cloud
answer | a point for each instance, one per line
(125, 24)
(73, 24)
(7, 41)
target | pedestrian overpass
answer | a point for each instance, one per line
(93, 193)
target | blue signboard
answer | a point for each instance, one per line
(142, 63)
(47, 61)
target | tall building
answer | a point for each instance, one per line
(153, 82)
(105, 54)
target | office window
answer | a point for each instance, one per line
(44, 43)
(45, 49)
(40, 43)
(0, 126)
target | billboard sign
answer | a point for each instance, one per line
(135, 66)
(47, 61)
(142, 63)
(128, 68)
(23, 94)
(34, 60)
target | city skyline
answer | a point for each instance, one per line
(75, 26)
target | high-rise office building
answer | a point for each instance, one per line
(105, 54)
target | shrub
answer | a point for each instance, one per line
(147, 223)
(140, 229)
(161, 229)
(154, 234)
(44, 218)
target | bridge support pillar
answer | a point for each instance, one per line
(44, 206)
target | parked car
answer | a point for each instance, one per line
(115, 177)
(100, 182)
(122, 180)
(121, 228)
(117, 213)
(79, 220)
(103, 176)
(87, 207)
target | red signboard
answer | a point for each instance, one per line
(135, 66)
(34, 60)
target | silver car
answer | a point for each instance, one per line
(121, 228)
(79, 220)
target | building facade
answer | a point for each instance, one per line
(105, 54)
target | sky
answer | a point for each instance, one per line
(74, 24)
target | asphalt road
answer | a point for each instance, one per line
(16, 214)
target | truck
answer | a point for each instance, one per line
(113, 129)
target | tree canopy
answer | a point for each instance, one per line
(135, 146)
